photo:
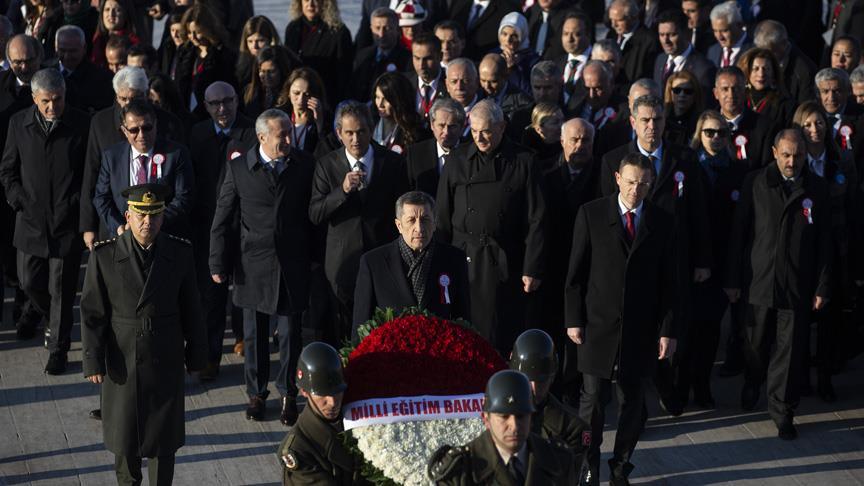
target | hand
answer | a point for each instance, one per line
(530, 284)
(352, 180)
(819, 302)
(97, 378)
(733, 294)
(667, 347)
(314, 105)
(219, 278)
(156, 12)
(89, 239)
(509, 57)
(701, 274)
(576, 334)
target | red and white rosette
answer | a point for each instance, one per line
(807, 209)
(234, 155)
(679, 184)
(845, 133)
(156, 167)
(741, 147)
(416, 383)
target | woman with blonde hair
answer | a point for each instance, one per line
(316, 33)
(825, 159)
(683, 100)
(722, 179)
(543, 135)
(258, 33)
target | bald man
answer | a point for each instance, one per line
(494, 85)
(212, 143)
(782, 237)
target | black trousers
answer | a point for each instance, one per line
(596, 395)
(342, 321)
(256, 348)
(160, 470)
(50, 284)
(775, 351)
(214, 303)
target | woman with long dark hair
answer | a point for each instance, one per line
(42, 18)
(765, 92)
(397, 123)
(303, 98)
(269, 74)
(258, 33)
(115, 19)
(177, 40)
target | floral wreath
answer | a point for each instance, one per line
(415, 383)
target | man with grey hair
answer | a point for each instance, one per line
(490, 204)
(425, 160)
(547, 85)
(88, 86)
(266, 188)
(856, 79)
(638, 44)
(601, 107)
(24, 55)
(798, 69)
(463, 85)
(130, 83)
(385, 55)
(732, 39)
(414, 270)
(833, 90)
(41, 173)
(353, 191)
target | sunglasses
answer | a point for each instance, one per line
(679, 90)
(715, 132)
(135, 130)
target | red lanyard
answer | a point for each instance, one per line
(298, 138)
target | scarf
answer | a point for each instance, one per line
(417, 264)
(46, 125)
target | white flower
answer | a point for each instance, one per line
(402, 450)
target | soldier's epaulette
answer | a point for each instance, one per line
(97, 244)
(177, 238)
(445, 461)
(286, 456)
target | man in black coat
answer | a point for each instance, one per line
(140, 324)
(414, 270)
(545, 18)
(782, 239)
(678, 53)
(209, 143)
(620, 294)
(833, 91)
(847, 18)
(698, 19)
(638, 44)
(24, 55)
(353, 191)
(490, 205)
(41, 170)
(606, 111)
(575, 41)
(268, 190)
(425, 160)
(427, 78)
(732, 40)
(751, 132)
(494, 84)
(481, 20)
(129, 83)
(384, 56)
(88, 86)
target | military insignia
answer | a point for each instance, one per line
(148, 197)
(104, 242)
(289, 460)
(586, 438)
(177, 238)
(510, 399)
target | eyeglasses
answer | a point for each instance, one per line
(135, 130)
(223, 101)
(681, 90)
(715, 132)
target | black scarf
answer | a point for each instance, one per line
(417, 265)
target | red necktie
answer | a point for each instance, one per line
(631, 226)
(141, 172)
(727, 57)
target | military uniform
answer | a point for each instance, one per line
(312, 453)
(479, 463)
(556, 421)
(140, 323)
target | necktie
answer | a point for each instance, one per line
(141, 170)
(475, 14)
(620, 41)
(514, 471)
(788, 185)
(656, 162)
(426, 93)
(542, 34)
(630, 226)
(832, 121)
(360, 166)
(667, 70)
(727, 57)
(816, 167)
(573, 64)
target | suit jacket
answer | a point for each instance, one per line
(639, 53)
(367, 69)
(482, 36)
(759, 131)
(273, 213)
(803, 21)
(89, 87)
(552, 48)
(421, 161)
(798, 74)
(440, 89)
(382, 283)
(715, 52)
(358, 221)
(12, 100)
(696, 64)
(114, 178)
(194, 78)
(621, 293)
(105, 132)
(42, 178)
(787, 254)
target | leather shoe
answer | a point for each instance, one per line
(825, 389)
(618, 473)
(786, 430)
(672, 405)
(256, 408)
(209, 373)
(56, 363)
(238, 347)
(289, 411)
(749, 397)
(95, 414)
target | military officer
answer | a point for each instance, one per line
(312, 452)
(534, 354)
(140, 321)
(507, 452)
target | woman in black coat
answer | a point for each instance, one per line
(765, 92)
(303, 98)
(683, 100)
(210, 60)
(258, 33)
(316, 33)
(397, 123)
(543, 135)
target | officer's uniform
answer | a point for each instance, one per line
(312, 453)
(140, 324)
(556, 421)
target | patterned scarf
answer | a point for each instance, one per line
(417, 265)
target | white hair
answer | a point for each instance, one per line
(262, 123)
(728, 11)
(48, 80)
(489, 110)
(72, 31)
(131, 77)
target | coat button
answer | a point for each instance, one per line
(470, 210)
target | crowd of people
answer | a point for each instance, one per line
(622, 194)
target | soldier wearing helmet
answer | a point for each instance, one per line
(507, 452)
(312, 452)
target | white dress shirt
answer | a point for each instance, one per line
(637, 213)
(133, 162)
(368, 160)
